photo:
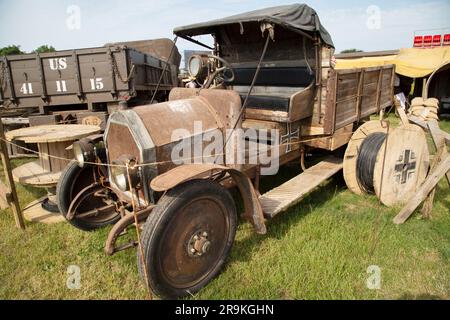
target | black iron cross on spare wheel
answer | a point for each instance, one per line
(405, 166)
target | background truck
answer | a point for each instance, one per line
(89, 79)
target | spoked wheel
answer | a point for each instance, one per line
(187, 238)
(74, 180)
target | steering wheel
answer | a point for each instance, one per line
(220, 73)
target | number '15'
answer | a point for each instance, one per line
(97, 84)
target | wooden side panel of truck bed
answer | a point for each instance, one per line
(353, 94)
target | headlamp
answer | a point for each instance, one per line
(124, 165)
(198, 67)
(89, 149)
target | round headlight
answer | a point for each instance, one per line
(120, 175)
(194, 66)
(87, 150)
(197, 66)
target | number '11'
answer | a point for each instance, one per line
(61, 86)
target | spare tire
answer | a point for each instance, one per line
(74, 179)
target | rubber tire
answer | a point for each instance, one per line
(166, 208)
(64, 199)
(49, 206)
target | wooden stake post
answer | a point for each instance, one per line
(11, 195)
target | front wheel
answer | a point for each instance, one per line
(73, 180)
(187, 238)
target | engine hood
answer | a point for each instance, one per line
(143, 130)
(151, 132)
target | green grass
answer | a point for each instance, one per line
(319, 249)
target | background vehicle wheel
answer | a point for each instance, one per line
(74, 179)
(187, 238)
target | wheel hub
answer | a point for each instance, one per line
(198, 244)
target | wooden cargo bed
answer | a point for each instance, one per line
(86, 77)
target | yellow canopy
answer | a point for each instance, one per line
(409, 62)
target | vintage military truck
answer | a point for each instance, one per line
(90, 79)
(271, 71)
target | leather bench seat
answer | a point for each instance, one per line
(275, 102)
(295, 77)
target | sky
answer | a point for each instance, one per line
(69, 24)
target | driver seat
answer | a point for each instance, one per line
(273, 88)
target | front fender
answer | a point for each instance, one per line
(187, 172)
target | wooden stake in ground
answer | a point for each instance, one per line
(438, 137)
(11, 197)
(430, 183)
(402, 115)
(441, 152)
(428, 203)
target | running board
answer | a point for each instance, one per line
(291, 192)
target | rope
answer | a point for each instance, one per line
(269, 147)
(138, 234)
(367, 156)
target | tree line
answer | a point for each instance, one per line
(15, 49)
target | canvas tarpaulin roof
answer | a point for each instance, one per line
(296, 17)
(409, 62)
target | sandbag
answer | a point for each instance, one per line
(418, 101)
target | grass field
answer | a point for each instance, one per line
(319, 249)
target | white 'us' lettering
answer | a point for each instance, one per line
(58, 63)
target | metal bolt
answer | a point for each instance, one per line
(193, 250)
(205, 246)
(205, 234)
(196, 237)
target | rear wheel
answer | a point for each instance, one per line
(187, 238)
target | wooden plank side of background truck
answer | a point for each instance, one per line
(86, 79)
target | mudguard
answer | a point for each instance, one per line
(172, 178)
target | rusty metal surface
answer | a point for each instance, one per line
(183, 173)
(226, 104)
(214, 109)
(194, 242)
(163, 118)
(93, 203)
(252, 208)
(126, 221)
(120, 141)
(159, 48)
(146, 133)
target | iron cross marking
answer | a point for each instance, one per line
(289, 136)
(406, 165)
